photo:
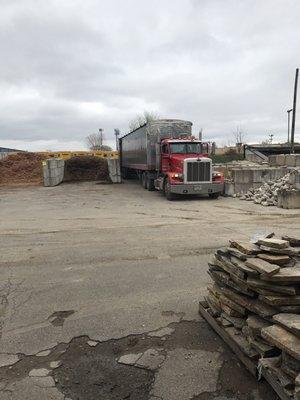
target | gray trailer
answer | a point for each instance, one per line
(138, 149)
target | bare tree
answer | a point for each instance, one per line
(238, 135)
(95, 142)
(142, 119)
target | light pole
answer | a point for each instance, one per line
(294, 113)
(288, 112)
(117, 133)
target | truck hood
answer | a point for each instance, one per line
(176, 160)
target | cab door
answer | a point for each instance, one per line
(165, 158)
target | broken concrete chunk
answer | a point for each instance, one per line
(55, 364)
(273, 242)
(40, 372)
(45, 381)
(129, 359)
(151, 359)
(8, 359)
(262, 266)
(43, 353)
(162, 332)
(92, 343)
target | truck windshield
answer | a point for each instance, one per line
(185, 148)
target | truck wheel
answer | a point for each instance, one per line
(214, 195)
(144, 180)
(167, 191)
(124, 173)
(150, 184)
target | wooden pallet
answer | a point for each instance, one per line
(250, 364)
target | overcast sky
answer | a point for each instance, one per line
(69, 67)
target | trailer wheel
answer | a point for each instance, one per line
(214, 195)
(144, 180)
(150, 184)
(167, 191)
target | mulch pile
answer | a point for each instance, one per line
(87, 168)
(21, 168)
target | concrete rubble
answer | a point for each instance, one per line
(254, 305)
(269, 193)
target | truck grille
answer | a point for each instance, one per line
(198, 171)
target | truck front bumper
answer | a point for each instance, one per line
(197, 188)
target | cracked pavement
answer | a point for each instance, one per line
(93, 275)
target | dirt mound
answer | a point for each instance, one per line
(87, 168)
(21, 168)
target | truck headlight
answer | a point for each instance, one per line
(216, 174)
(178, 176)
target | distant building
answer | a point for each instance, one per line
(6, 150)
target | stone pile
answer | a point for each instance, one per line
(267, 194)
(255, 303)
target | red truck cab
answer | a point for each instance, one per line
(186, 169)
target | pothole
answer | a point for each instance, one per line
(58, 317)
(134, 367)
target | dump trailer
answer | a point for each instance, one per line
(165, 156)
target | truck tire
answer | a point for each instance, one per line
(150, 184)
(167, 191)
(214, 195)
(124, 173)
(144, 180)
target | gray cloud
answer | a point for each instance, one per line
(71, 67)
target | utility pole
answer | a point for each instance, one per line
(101, 137)
(288, 112)
(117, 133)
(294, 113)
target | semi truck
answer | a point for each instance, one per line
(165, 156)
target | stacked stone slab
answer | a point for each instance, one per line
(255, 299)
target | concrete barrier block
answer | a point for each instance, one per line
(242, 175)
(53, 171)
(289, 200)
(290, 160)
(114, 170)
(280, 159)
(272, 160)
(229, 189)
